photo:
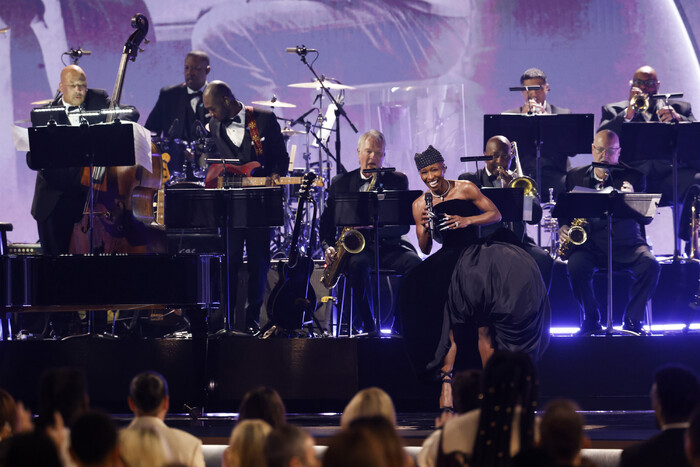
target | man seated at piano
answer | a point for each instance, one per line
(253, 138)
(630, 250)
(496, 174)
(396, 253)
(59, 197)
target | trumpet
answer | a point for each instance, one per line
(640, 103)
(521, 180)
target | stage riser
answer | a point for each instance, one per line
(321, 375)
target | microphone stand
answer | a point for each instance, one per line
(338, 109)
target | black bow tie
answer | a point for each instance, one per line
(228, 121)
(195, 94)
(73, 108)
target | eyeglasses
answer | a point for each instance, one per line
(644, 82)
(612, 150)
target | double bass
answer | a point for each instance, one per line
(121, 218)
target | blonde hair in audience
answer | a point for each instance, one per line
(142, 448)
(368, 403)
(245, 447)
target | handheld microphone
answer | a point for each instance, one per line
(299, 50)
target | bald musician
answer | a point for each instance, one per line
(249, 135)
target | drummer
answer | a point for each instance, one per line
(180, 106)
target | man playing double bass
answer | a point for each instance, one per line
(249, 135)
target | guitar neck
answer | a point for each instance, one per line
(261, 181)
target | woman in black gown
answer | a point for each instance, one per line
(482, 294)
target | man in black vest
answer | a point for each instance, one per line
(630, 250)
(180, 105)
(249, 135)
(395, 252)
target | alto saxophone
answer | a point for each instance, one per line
(577, 236)
(350, 241)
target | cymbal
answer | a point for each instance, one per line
(290, 132)
(274, 102)
(42, 102)
(316, 85)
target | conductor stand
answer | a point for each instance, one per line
(548, 134)
(302, 52)
(97, 146)
(604, 206)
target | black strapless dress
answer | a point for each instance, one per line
(469, 283)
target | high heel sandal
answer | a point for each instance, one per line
(446, 377)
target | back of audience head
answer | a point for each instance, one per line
(674, 394)
(32, 448)
(148, 395)
(692, 439)
(509, 381)
(351, 448)
(561, 432)
(245, 447)
(62, 390)
(466, 390)
(8, 414)
(289, 446)
(93, 440)
(263, 403)
(368, 403)
(142, 447)
(381, 430)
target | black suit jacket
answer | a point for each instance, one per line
(627, 235)
(556, 161)
(274, 157)
(53, 185)
(481, 179)
(175, 103)
(350, 183)
(613, 115)
(666, 448)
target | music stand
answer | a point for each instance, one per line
(605, 206)
(512, 203)
(64, 146)
(376, 209)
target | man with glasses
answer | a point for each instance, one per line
(629, 248)
(658, 172)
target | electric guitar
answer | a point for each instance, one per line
(238, 176)
(293, 295)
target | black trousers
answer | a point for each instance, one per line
(645, 270)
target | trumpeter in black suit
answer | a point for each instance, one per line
(553, 167)
(658, 171)
(395, 252)
(179, 106)
(233, 140)
(500, 149)
(629, 248)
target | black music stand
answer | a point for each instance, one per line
(604, 206)
(376, 209)
(511, 202)
(656, 140)
(246, 208)
(64, 146)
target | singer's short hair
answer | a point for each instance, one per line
(533, 73)
(200, 54)
(374, 134)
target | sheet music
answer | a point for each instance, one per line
(142, 145)
(20, 137)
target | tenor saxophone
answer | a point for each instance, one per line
(350, 241)
(577, 236)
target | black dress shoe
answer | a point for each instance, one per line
(589, 328)
(636, 327)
